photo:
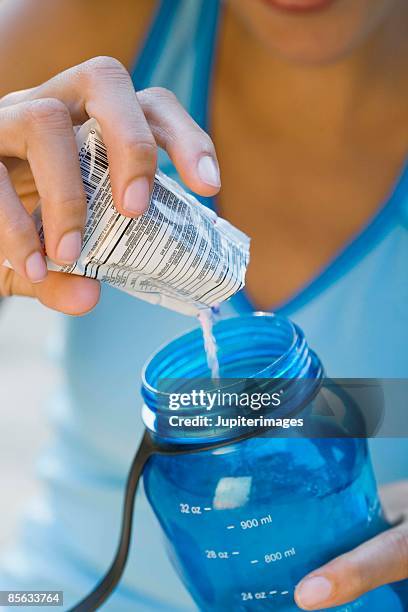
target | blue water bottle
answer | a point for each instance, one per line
(250, 515)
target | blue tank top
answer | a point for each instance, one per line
(353, 313)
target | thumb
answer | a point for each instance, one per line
(379, 561)
(67, 293)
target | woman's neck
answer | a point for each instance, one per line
(293, 101)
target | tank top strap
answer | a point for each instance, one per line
(178, 53)
(401, 192)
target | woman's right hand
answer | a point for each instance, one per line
(39, 160)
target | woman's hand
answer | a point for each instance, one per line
(379, 561)
(39, 160)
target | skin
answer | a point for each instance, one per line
(306, 194)
(326, 79)
(381, 560)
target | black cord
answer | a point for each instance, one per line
(104, 588)
(107, 584)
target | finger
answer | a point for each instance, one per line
(67, 293)
(41, 131)
(189, 147)
(102, 88)
(394, 497)
(19, 240)
(379, 561)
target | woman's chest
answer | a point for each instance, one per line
(300, 204)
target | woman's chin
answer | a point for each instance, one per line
(314, 31)
(311, 52)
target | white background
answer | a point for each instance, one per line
(27, 374)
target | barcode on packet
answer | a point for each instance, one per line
(94, 164)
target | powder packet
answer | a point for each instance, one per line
(178, 254)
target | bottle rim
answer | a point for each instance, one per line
(293, 361)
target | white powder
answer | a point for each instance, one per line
(206, 318)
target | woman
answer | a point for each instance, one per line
(307, 100)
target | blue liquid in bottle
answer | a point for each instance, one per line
(244, 522)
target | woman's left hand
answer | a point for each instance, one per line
(379, 561)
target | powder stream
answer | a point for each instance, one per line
(206, 318)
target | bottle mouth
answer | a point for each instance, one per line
(255, 347)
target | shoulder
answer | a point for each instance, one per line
(44, 37)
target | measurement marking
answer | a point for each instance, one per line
(231, 527)
(285, 593)
(235, 553)
(254, 561)
(207, 509)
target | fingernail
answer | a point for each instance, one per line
(313, 591)
(69, 247)
(208, 171)
(35, 267)
(137, 196)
